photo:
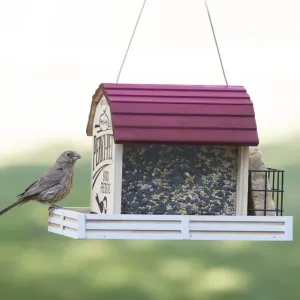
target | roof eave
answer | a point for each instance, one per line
(194, 143)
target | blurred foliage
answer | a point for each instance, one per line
(36, 264)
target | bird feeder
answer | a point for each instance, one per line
(176, 162)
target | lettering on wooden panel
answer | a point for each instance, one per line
(102, 160)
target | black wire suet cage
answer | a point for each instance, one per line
(273, 188)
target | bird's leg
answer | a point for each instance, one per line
(52, 206)
(50, 209)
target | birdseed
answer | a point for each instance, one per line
(179, 180)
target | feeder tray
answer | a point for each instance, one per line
(77, 224)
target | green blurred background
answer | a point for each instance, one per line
(42, 265)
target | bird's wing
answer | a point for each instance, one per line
(45, 182)
(54, 190)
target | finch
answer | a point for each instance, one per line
(53, 186)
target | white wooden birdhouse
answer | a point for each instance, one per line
(172, 162)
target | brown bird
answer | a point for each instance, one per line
(53, 186)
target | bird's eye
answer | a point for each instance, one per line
(68, 154)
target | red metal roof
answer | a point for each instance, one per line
(191, 114)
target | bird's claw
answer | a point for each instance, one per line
(50, 209)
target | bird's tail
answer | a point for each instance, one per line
(18, 202)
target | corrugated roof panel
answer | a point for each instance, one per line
(190, 136)
(205, 109)
(156, 113)
(173, 87)
(182, 121)
(177, 94)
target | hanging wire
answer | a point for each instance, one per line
(216, 42)
(128, 47)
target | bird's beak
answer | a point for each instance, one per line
(76, 156)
